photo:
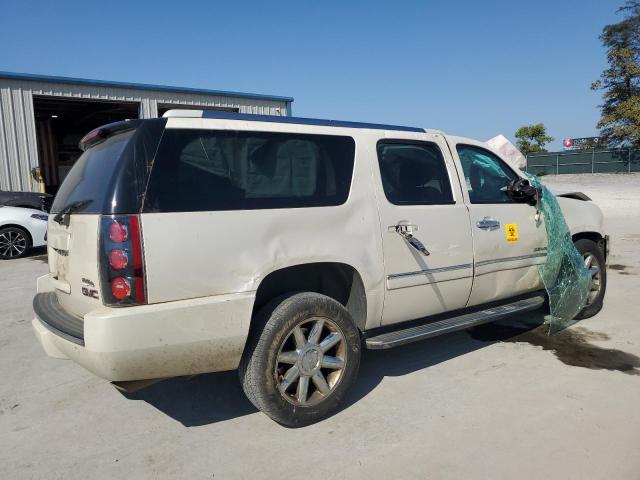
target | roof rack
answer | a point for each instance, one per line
(282, 119)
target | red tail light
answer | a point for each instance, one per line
(120, 288)
(122, 273)
(117, 232)
(118, 259)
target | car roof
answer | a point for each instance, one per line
(222, 115)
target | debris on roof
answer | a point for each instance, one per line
(508, 151)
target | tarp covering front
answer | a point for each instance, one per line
(564, 274)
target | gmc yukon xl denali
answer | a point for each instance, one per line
(280, 246)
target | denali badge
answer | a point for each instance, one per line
(88, 283)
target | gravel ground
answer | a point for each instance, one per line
(501, 401)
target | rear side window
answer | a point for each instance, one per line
(414, 173)
(205, 170)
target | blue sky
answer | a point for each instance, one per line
(471, 68)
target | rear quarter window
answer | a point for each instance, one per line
(208, 170)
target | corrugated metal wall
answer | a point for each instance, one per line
(18, 147)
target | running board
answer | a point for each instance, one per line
(396, 338)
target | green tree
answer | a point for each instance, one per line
(620, 81)
(532, 138)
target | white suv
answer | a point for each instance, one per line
(210, 241)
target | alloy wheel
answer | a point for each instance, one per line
(12, 244)
(311, 361)
(591, 262)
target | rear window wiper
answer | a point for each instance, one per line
(62, 217)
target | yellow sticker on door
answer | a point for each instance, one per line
(511, 232)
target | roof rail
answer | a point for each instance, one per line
(281, 119)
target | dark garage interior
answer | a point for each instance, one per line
(62, 122)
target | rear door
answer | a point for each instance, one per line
(509, 239)
(428, 256)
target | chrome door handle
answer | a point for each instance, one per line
(411, 240)
(488, 223)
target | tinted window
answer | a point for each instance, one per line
(414, 173)
(113, 174)
(90, 177)
(486, 175)
(201, 170)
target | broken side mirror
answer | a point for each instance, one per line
(521, 190)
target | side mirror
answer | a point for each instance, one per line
(521, 190)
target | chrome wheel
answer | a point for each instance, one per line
(311, 361)
(13, 243)
(591, 262)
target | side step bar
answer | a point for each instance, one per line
(396, 338)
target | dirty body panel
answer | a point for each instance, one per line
(224, 205)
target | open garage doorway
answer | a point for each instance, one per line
(62, 122)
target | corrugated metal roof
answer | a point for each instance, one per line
(139, 86)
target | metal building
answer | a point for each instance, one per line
(42, 118)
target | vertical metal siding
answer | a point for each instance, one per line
(18, 147)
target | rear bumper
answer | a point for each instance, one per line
(56, 319)
(170, 339)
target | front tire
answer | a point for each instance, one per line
(301, 357)
(14, 243)
(594, 260)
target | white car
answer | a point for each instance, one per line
(280, 246)
(20, 230)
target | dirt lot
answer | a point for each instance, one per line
(501, 401)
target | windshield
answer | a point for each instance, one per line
(89, 181)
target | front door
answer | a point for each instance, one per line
(428, 257)
(509, 238)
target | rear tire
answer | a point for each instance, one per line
(302, 355)
(14, 243)
(593, 255)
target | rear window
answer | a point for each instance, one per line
(413, 173)
(205, 170)
(89, 179)
(111, 176)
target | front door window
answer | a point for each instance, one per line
(485, 174)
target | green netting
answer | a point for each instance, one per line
(564, 274)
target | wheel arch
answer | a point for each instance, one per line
(21, 227)
(337, 280)
(593, 236)
(596, 237)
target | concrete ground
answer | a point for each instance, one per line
(499, 402)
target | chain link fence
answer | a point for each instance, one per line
(621, 160)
